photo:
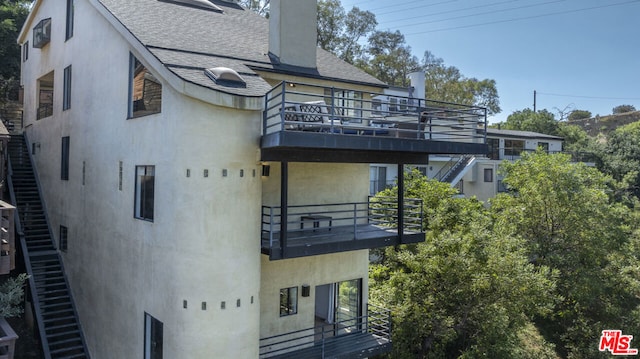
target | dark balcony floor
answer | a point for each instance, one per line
(298, 146)
(335, 239)
(351, 346)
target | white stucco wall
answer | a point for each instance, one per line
(203, 245)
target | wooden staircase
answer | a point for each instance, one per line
(54, 310)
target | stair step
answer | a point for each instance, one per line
(68, 349)
(57, 312)
(66, 342)
(61, 334)
(60, 319)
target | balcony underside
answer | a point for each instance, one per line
(352, 346)
(310, 242)
(302, 146)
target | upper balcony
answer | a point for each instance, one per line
(309, 123)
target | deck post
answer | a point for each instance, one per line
(400, 203)
(284, 179)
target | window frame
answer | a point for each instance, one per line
(25, 51)
(70, 19)
(288, 301)
(64, 158)
(488, 171)
(133, 110)
(153, 333)
(63, 238)
(141, 196)
(66, 91)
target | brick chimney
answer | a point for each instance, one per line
(293, 32)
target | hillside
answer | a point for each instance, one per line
(605, 124)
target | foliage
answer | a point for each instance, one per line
(446, 83)
(11, 296)
(569, 222)
(541, 121)
(622, 155)
(340, 32)
(389, 58)
(623, 109)
(465, 292)
(259, 6)
(579, 115)
(13, 13)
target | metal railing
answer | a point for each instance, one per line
(346, 220)
(376, 324)
(303, 107)
(44, 110)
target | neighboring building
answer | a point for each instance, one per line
(477, 175)
(208, 172)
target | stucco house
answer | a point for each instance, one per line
(192, 181)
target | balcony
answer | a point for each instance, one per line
(308, 123)
(42, 33)
(359, 337)
(330, 228)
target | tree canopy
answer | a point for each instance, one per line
(623, 109)
(541, 121)
(579, 115)
(13, 13)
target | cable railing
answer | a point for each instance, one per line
(293, 106)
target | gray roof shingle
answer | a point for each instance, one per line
(187, 40)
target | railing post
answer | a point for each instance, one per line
(333, 108)
(355, 221)
(400, 210)
(322, 342)
(270, 228)
(283, 105)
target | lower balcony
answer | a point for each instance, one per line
(308, 230)
(360, 337)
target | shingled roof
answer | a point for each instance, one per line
(188, 40)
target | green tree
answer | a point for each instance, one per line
(621, 157)
(12, 296)
(623, 109)
(526, 120)
(569, 222)
(579, 115)
(13, 13)
(389, 58)
(465, 292)
(446, 83)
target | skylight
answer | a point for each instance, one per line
(200, 4)
(225, 76)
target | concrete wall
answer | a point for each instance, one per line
(203, 243)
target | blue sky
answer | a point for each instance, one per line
(579, 53)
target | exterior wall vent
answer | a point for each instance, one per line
(225, 76)
(42, 33)
(199, 4)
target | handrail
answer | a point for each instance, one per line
(376, 322)
(350, 112)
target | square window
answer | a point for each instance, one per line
(145, 183)
(66, 96)
(288, 301)
(45, 96)
(488, 174)
(64, 163)
(63, 238)
(145, 91)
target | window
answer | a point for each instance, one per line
(494, 148)
(346, 103)
(513, 147)
(377, 179)
(66, 96)
(25, 51)
(62, 245)
(145, 91)
(488, 174)
(288, 301)
(64, 163)
(544, 146)
(152, 337)
(69, 32)
(45, 96)
(145, 179)
(42, 33)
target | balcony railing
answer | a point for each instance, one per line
(44, 110)
(329, 228)
(587, 157)
(303, 107)
(369, 334)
